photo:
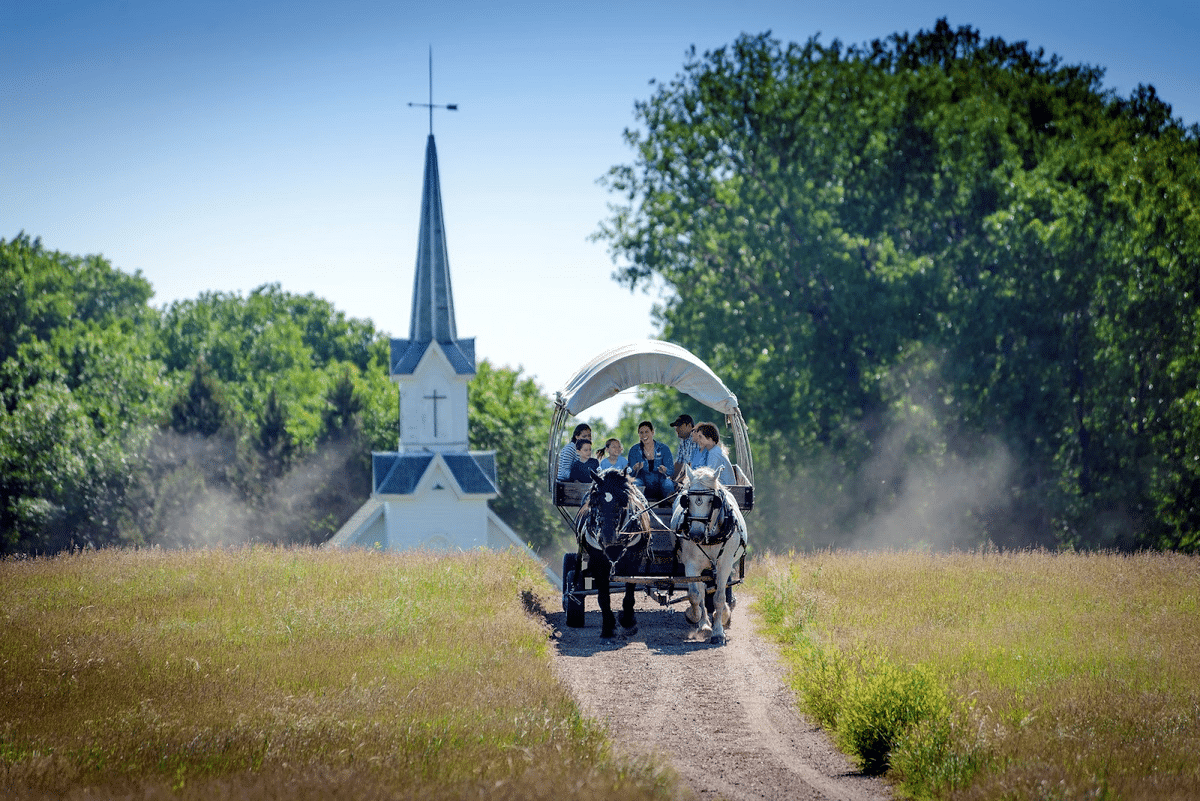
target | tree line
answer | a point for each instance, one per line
(212, 421)
(953, 281)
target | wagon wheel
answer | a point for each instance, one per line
(572, 603)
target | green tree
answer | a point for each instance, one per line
(911, 257)
(511, 415)
(201, 408)
(78, 393)
(274, 443)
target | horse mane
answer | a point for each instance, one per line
(638, 501)
(704, 478)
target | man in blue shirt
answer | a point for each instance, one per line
(687, 448)
(710, 454)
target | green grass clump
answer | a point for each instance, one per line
(272, 673)
(999, 675)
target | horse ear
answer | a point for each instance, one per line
(595, 475)
(688, 469)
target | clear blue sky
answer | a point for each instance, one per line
(223, 145)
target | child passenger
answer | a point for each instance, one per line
(612, 455)
(569, 453)
(582, 467)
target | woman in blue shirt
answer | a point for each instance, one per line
(651, 464)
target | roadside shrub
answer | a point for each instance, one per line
(881, 705)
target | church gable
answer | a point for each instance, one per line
(464, 474)
(433, 406)
(458, 474)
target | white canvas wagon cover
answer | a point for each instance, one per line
(648, 361)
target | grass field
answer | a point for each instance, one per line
(297, 674)
(999, 676)
(290, 674)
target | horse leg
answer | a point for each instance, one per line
(720, 608)
(600, 574)
(697, 614)
(627, 620)
(728, 564)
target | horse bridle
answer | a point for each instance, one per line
(703, 505)
(622, 529)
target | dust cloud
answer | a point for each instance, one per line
(921, 485)
(207, 492)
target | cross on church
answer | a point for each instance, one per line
(435, 397)
(430, 105)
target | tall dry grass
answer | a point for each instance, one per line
(270, 673)
(1015, 675)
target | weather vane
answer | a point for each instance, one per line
(430, 105)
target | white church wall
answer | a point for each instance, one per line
(440, 523)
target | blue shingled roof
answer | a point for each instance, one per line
(407, 353)
(433, 301)
(398, 473)
(475, 473)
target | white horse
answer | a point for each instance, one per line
(711, 533)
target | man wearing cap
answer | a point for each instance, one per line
(687, 447)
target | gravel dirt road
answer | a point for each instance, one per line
(722, 716)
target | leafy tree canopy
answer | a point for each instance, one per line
(914, 254)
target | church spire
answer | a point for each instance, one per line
(432, 317)
(432, 321)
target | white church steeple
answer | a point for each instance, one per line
(432, 366)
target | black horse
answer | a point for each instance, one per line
(616, 537)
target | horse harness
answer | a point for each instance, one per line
(627, 542)
(710, 509)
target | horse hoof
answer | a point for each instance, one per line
(630, 631)
(627, 621)
(718, 639)
(690, 616)
(608, 634)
